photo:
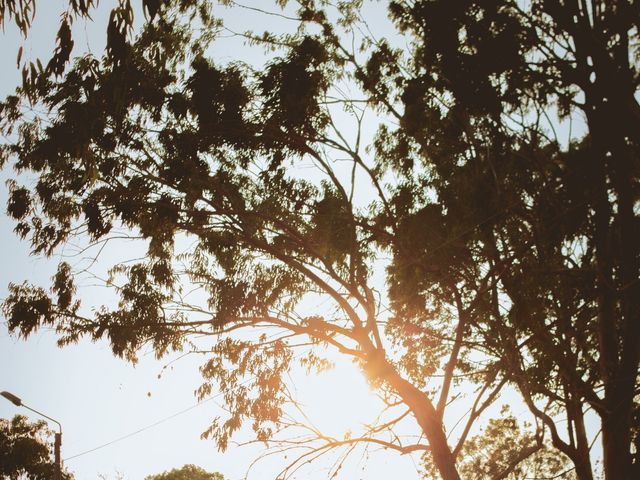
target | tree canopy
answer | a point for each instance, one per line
(187, 472)
(481, 158)
(25, 452)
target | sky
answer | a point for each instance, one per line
(142, 422)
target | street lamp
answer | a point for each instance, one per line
(58, 438)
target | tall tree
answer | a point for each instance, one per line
(24, 451)
(159, 139)
(556, 220)
(514, 253)
(497, 452)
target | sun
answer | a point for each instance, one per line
(338, 401)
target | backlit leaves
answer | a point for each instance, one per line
(484, 219)
(291, 87)
(19, 202)
(63, 48)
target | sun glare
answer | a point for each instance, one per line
(338, 401)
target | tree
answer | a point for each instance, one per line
(558, 223)
(514, 253)
(24, 451)
(187, 472)
(504, 451)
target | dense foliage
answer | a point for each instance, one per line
(187, 472)
(512, 235)
(504, 450)
(25, 452)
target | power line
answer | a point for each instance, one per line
(159, 422)
(155, 424)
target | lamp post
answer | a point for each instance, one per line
(58, 436)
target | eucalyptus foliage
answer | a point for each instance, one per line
(511, 235)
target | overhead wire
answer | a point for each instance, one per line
(156, 423)
(140, 430)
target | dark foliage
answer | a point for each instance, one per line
(513, 242)
(24, 451)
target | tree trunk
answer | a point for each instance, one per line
(613, 127)
(426, 416)
(616, 441)
(581, 459)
